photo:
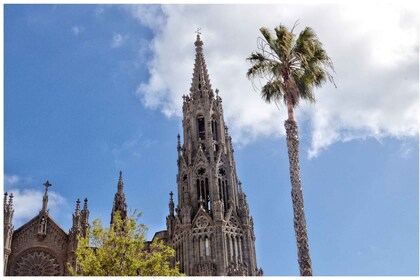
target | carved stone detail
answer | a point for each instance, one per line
(237, 269)
(201, 222)
(205, 269)
(36, 263)
(233, 222)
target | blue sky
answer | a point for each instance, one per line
(90, 90)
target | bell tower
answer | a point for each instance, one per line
(212, 231)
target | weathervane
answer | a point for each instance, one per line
(198, 31)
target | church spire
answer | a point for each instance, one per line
(208, 191)
(8, 228)
(8, 209)
(119, 201)
(45, 198)
(171, 204)
(120, 184)
(77, 207)
(43, 214)
(200, 86)
(76, 217)
(85, 218)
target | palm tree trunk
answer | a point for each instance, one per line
(297, 198)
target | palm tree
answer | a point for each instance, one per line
(291, 68)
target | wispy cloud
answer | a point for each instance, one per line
(11, 181)
(28, 202)
(118, 40)
(376, 74)
(129, 149)
(77, 29)
(406, 150)
(100, 9)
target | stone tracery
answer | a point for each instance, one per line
(37, 262)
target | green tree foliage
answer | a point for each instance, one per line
(122, 250)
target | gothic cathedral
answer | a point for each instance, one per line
(210, 229)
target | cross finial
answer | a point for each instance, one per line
(171, 194)
(45, 198)
(198, 32)
(47, 185)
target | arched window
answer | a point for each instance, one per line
(201, 128)
(202, 247)
(223, 188)
(207, 246)
(185, 183)
(230, 247)
(240, 249)
(202, 187)
(214, 129)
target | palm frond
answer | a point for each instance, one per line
(266, 34)
(284, 41)
(272, 92)
(291, 67)
(256, 57)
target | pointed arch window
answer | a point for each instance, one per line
(201, 128)
(203, 190)
(207, 246)
(185, 183)
(215, 133)
(223, 188)
(214, 129)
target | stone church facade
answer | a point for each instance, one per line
(210, 229)
(41, 247)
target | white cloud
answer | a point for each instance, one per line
(76, 30)
(374, 49)
(28, 202)
(11, 181)
(118, 40)
(148, 15)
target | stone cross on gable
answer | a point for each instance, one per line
(47, 185)
(45, 198)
